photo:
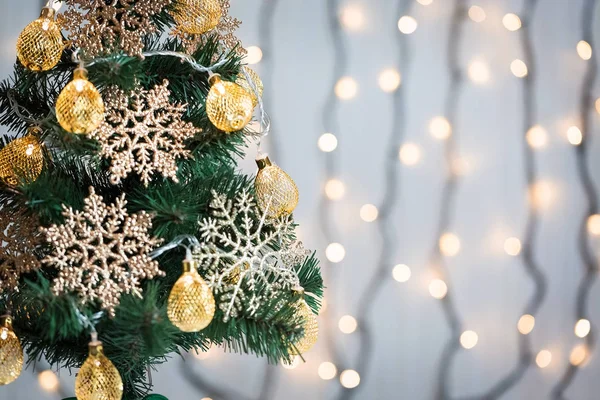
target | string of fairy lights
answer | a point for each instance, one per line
(581, 139)
(447, 243)
(342, 87)
(389, 81)
(525, 70)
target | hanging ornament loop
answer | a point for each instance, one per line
(48, 12)
(6, 320)
(265, 120)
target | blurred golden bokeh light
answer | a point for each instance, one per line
(469, 339)
(512, 246)
(543, 358)
(410, 154)
(526, 324)
(449, 244)
(477, 14)
(401, 273)
(512, 22)
(335, 252)
(389, 80)
(346, 88)
(407, 24)
(369, 213)
(438, 289)
(350, 379)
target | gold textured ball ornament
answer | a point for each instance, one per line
(21, 160)
(197, 16)
(98, 379)
(79, 107)
(40, 44)
(228, 105)
(255, 79)
(11, 353)
(191, 305)
(276, 193)
(311, 329)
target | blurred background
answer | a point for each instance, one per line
(445, 152)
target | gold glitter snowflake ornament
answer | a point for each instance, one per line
(105, 26)
(19, 238)
(226, 29)
(143, 133)
(102, 252)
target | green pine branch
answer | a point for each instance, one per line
(140, 337)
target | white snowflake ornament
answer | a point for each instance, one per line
(249, 258)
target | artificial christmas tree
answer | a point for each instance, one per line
(118, 173)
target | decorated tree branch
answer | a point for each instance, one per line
(123, 215)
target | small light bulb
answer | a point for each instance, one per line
(369, 213)
(479, 72)
(327, 371)
(440, 128)
(410, 154)
(578, 355)
(327, 142)
(352, 18)
(584, 50)
(347, 324)
(401, 273)
(469, 339)
(29, 150)
(407, 24)
(519, 68)
(477, 14)
(220, 88)
(582, 328)
(349, 379)
(254, 55)
(461, 166)
(543, 358)
(537, 137)
(574, 136)
(593, 224)
(335, 252)
(449, 244)
(389, 80)
(335, 189)
(79, 85)
(425, 2)
(541, 195)
(438, 289)
(512, 22)
(526, 324)
(512, 246)
(48, 381)
(346, 88)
